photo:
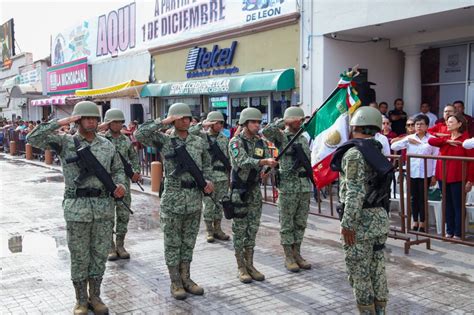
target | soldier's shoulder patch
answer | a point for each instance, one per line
(235, 152)
(234, 145)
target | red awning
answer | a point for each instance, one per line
(54, 100)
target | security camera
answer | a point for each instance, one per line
(304, 66)
(333, 35)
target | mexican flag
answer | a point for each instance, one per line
(329, 128)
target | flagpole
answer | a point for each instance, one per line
(300, 131)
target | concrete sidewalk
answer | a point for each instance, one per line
(35, 263)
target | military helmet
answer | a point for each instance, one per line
(180, 109)
(215, 116)
(250, 113)
(367, 116)
(86, 109)
(293, 112)
(114, 114)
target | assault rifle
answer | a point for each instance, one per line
(218, 155)
(185, 163)
(302, 161)
(127, 167)
(89, 165)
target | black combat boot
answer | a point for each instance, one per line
(81, 297)
(95, 302)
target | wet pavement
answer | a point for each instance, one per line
(35, 278)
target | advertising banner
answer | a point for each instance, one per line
(68, 77)
(142, 24)
(7, 43)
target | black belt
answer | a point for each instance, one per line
(89, 192)
(219, 168)
(188, 185)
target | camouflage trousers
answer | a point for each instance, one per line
(366, 269)
(180, 232)
(245, 229)
(122, 215)
(212, 211)
(294, 208)
(89, 244)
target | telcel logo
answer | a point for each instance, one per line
(200, 58)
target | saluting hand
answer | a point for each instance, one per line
(168, 120)
(119, 191)
(68, 120)
(103, 126)
(207, 123)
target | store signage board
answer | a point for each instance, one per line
(68, 77)
(213, 86)
(129, 27)
(200, 60)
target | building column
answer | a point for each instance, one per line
(412, 79)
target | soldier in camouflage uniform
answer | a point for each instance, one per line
(364, 230)
(249, 154)
(294, 188)
(114, 120)
(212, 213)
(181, 202)
(88, 208)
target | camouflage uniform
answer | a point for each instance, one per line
(365, 264)
(245, 229)
(219, 175)
(294, 191)
(180, 212)
(124, 146)
(89, 220)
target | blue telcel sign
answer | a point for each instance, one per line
(203, 63)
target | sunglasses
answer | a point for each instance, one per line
(409, 125)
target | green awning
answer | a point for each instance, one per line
(278, 80)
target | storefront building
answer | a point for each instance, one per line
(230, 75)
(231, 67)
(418, 52)
(11, 108)
(62, 81)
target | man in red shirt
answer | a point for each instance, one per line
(459, 106)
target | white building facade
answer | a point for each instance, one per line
(415, 50)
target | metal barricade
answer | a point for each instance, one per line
(439, 207)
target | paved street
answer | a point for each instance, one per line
(35, 264)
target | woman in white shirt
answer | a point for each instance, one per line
(417, 143)
(468, 144)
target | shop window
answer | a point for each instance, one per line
(280, 102)
(261, 103)
(238, 104)
(136, 113)
(219, 103)
(193, 102)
